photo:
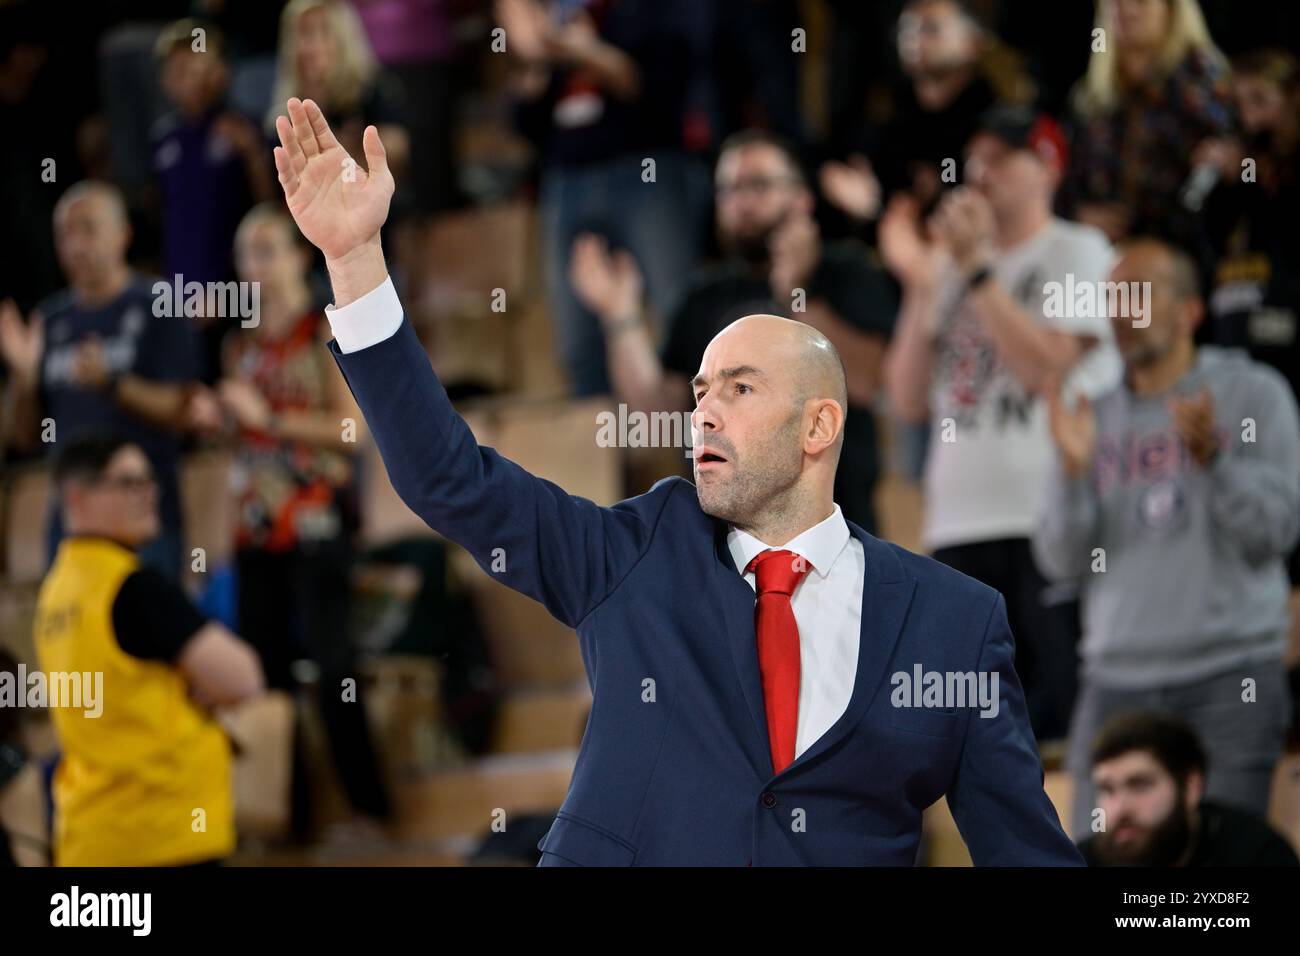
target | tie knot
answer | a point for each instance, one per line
(778, 572)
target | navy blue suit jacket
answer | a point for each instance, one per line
(650, 588)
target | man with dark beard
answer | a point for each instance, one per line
(1149, 771)
(776, 263)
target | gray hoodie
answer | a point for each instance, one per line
(1194, 582)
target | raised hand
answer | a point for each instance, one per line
(608, 283)
(796, 248)
(21, 343)
(908, 253)
(529, 31)
(1194, 423)
(852, 186)
(1074, 430)
(964, 221)
(339, 206)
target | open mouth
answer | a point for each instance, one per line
(707, 456)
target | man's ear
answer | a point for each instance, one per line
(1193, 313)
(825, 426)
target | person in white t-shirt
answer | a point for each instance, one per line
(1001, 301)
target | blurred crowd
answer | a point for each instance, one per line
(1053, 244)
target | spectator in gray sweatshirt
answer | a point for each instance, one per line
(1173, 503)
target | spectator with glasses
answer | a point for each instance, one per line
(776, 262)
(138, 768)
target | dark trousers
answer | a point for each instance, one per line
(295, 605)
(1044, 623)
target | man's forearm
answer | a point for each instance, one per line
(159, 403)
(360, 271)
(22, 398)
(907, 363)
(615, 71)
(1253, 502)
(321, 429)
(635, 370)
(1033, 352)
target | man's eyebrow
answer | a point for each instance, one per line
(735, 371)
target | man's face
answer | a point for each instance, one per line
(755, 191)
(265, 254)
(747, 423)
(122, 503)
(935, 38)
(91, 240)
(1008, 178)
(1143, 347)
(1147, 817)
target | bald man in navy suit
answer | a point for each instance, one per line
(771, 685)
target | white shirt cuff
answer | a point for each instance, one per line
(369, 320)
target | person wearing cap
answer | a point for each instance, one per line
(991, 319)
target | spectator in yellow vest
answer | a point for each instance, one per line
(145, 776)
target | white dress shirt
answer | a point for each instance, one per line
(368, 320)
(827, 608)
(827, 604)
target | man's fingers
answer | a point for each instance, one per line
(302, 128)
(590, 241)
(376, 155)
(288, 178)
(583, 259)
(289, 143)
(319, 126)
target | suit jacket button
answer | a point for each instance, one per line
(769, 799)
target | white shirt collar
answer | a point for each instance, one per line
(821, 544)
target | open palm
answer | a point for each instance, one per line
(338, 205)
(1074, 429)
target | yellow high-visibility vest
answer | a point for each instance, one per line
(148, 782)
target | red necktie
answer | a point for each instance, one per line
(778, 573)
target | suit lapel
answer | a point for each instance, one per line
(738, 610)
(886, 596)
